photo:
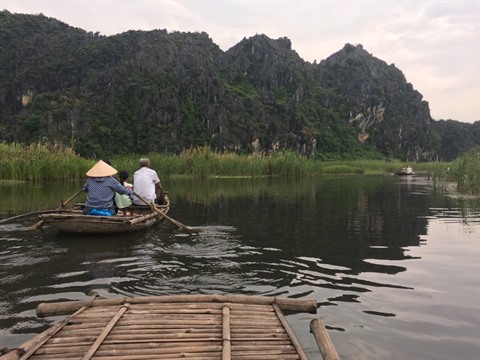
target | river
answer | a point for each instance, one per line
(393, 262)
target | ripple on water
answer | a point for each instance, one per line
(13, 227)
(70, 274)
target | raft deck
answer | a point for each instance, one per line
(171, 327)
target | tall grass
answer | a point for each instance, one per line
(436, 172)
(51, 162)
(40, 162)
(361, 166)
(465, 171)
(202, 162)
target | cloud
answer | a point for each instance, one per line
(438, 51)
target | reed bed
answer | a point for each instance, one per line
(202, 163)
(40, 162)
(465, 171)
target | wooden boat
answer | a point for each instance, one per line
(403, 173)
(408, 171)
(174, 326)
(73, 220)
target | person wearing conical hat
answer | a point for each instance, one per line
(101, 187)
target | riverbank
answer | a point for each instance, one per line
(39, 162)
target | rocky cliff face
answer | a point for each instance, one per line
(274, 80)
(266, 64)
(160, 91)
(383, 107)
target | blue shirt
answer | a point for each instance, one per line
(101, 192)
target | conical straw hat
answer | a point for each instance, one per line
(101, 169)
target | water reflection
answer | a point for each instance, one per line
(379, 254)
(19, 198)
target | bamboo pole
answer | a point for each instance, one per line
(30, 214)
(291, 333)
(154, 207)
(40, 223)
(226, 337)
(213, 307)
(317, 327)
(144, 218)
(166, 353)
(62, 204)
(164, 347)
(77, 214)
(264, 356)
(143, 355)
(29, 347)
(185, 332)
(105, 332)
(67, 307)
(172, 323)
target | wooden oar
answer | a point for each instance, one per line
(24, 215)
(62, 205)
(173, 221)
(39, 212)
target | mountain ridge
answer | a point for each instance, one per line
(143, 91)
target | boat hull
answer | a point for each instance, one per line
(73, 221)
(93, 226)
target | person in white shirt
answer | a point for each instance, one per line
(146, 183)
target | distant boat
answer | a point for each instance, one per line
(406, 171)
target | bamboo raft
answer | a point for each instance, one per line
(171, 327)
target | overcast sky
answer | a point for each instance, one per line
(436, 44)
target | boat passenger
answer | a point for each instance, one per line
(409, 170)
(123, 201)
(146, 183)
(101, 187)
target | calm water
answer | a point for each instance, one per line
(394, 264)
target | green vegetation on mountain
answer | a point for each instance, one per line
(160, 92)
